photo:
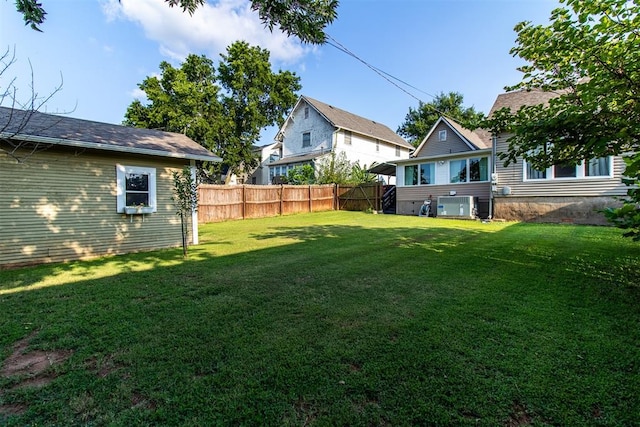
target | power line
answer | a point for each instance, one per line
(388, 77)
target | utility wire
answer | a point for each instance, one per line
(388, 77)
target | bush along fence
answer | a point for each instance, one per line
(218, 203)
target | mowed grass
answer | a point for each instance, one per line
(337, 318)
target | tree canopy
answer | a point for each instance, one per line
(225, 110)
(305, 19)
(589, 55)
(419, 121)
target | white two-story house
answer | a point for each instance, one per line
(314, 130)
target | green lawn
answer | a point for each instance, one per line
(336, 318)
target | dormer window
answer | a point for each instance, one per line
(442, 135)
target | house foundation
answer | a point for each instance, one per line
(574, 210)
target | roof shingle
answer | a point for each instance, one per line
(519, 98)
(70, 131)
(349, 121)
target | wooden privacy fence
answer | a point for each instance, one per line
(227, 202)
(223, 202)
(360, 197)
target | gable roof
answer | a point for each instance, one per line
(345, 120)
(34, 126)
(478, 139)
(520, 98)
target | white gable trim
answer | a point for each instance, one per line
(442, 119)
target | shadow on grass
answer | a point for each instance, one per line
(345, 324)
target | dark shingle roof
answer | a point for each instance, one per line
(349, 121)
(62, 130)
(519, 98)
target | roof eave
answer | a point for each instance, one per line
(109, 147)
(444, 156)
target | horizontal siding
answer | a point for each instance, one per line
(435, 147)
(512, 176)
(60, 205)
(409, 199)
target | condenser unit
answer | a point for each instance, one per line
(457, 206)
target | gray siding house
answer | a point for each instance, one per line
(450, 161)
(75, 189)
(561, 193)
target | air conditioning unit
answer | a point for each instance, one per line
(457, 206)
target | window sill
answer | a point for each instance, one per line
(138, 210)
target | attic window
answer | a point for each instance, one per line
(136, 186)
(306, 112)
(306, 139)
(442, 135)
(347, 137)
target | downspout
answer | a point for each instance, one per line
(494, 174)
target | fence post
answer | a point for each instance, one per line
(244, 202)
(281, 199)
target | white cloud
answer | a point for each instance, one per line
(212, 28)
(138, 93)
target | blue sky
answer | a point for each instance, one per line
(101, 50)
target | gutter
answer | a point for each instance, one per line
(108, 147)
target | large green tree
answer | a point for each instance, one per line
(305, 19)
(224, 110)
(419, 121)
(253, 98)
(589, 55)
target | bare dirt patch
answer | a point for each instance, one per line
(30, 368)
(31, 363)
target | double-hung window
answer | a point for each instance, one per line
(136, 187)
(306, 139)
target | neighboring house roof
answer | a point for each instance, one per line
(345, 120)
(478, 139)
(520, 98)
(61, 130)
(298, 159)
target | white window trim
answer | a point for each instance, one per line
(121, 174)
(435, 166)
(442, 135)
(580, 173)
(467, 160)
